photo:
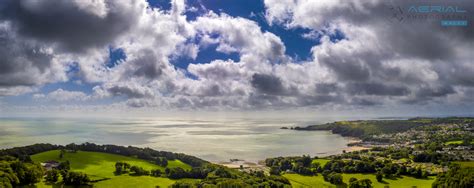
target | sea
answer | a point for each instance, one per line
(212, 139)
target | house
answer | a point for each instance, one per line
(49, 165)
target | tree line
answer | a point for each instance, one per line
(158, 157)
(331, 170)
(142, 153)
(456, 176)
(210, 175)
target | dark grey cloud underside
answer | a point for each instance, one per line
(360, 76)
(63, 23)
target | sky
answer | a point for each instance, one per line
(327, 57)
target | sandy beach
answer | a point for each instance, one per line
(354, 140)
(355, 148)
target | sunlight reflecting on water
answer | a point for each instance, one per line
(213, 140)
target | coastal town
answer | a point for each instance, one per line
(453, 139)
(429, 150)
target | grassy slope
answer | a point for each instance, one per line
(321, 162)
(466, 163)
(318, 181)
(102, 165)
(297, 181)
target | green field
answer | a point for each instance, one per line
(321, 162)
(297, 181)
(318, 181)
(466, 164)
(454, 142)
(102, 166)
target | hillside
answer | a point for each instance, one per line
(100, 167)
(366, 128)
(88, 164)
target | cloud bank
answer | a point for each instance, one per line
(375, 61)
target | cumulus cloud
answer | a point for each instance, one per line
(241, 35)
(267, 84)
(15, 90)
(380, 56)
(61, 95)
(72, 25)
(41, 38)
(126, 89)
(375, 60)
(25, 63)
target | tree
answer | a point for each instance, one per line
(66, 166)
(366, 183)
(118, 167)
(121, 167)
(326, 175)
(336, 179)
(354, 183)
(306, 160)
(379, 177)
(199, 173)
(352, 179)
(274, 170)
(27, 173)
(223, 173)
(25, 158)
(61, 153)
(177, 173)
(156, 172)
(455, 177)
(126, 166)
(75, 178)
(8, 177)
(139, 171)
(182, 184)
(333, 177)
(402, 170)
(286, 165)
(52, 175)
(232, 183)
(315, 165)
(162, 161)
(418, 173)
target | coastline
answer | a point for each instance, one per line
(260, 165)
(352, 145)
(356, 148)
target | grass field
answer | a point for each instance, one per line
(453, 142)
(318, 181)
(321, 162)
(466, 163)
(297, 181)
(102, 166)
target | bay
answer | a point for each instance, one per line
(215, 140)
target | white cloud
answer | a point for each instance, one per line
(96, 7)
(375, 51)
(242, 35)
(371, 65)
(61, 95)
